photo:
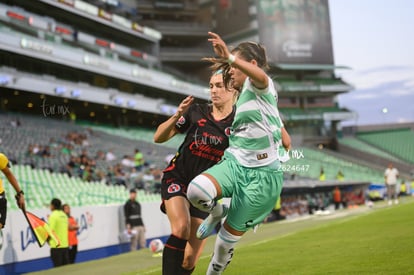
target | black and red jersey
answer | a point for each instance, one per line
(204, 143)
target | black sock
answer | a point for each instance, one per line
(186, 271)
(173, 255)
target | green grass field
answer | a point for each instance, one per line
(356, 241)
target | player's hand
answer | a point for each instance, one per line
(184, 105)
(20, 201)
(284, 157)
(220, 48)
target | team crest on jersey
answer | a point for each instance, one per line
(228, 131)
(180, 121)
(202, 122)
(262, 156)
(173, 188)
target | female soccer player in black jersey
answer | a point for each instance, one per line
(207, 127)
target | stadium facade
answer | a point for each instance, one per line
(130, 63)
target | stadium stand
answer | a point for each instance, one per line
(138, 134)
(314, 160)
(41, 186)
(366, 147)
(32, 130)
(43, 176)
(398, 142)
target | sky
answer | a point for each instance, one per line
(375, 38)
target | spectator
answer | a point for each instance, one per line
(322, 176)
(168, 158)
(72, 167)
(36, 149)
(59, 223)
(135, 179)
(53, 144)
(46, 152)
(100, 155)
(88, 173)
(133, 220)
(139, 160)
(110, 156)
(30, 150)
(148, 181)
(67, 149)
(403, 189)
(275, 214)
(72, 117)
(73, 231)
(412, 188)
(157, 177)
(84, 154)
(15, 123)
(337, 198)
(312, 203)
(391, 175)
(340, 176)
(5, 168)
(119, 175)
(127, 162)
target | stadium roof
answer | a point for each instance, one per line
(313, 85)
(310, 67)
(327, 113)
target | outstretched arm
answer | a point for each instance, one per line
(166, 130)
(257, 76)
(13, 181)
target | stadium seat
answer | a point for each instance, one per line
(398, 142)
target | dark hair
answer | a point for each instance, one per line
(57, 204)
(248, 51)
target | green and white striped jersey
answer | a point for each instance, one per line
(256, 136)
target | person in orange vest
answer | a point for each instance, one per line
(337, 197)
(72, 235)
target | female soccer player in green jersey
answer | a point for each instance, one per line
(249, 172)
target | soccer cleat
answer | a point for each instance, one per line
(209, 224)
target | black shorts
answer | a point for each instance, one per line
(173, 187)
(3, 208)
(60, 256)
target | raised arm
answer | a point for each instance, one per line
(257, 76)
(167, 130)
